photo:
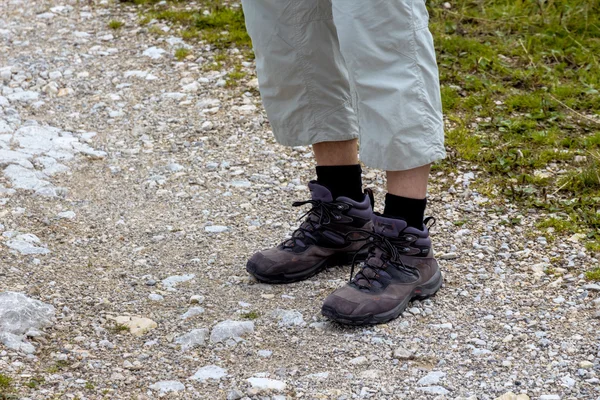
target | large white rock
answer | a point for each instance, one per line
(27, 179)
(19, 315)
(26, 244)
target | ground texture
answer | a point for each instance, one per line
(135, 184)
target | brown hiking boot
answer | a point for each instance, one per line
(327, 237)
(399, 268)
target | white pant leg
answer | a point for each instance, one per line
(389, 52)
(302, 76)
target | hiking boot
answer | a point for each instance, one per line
(326, 238)
(399, 268)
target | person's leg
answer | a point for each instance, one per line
(390, 54)
(304, 85)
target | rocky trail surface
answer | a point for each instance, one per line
(133, 187)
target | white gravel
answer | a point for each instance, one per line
(134, 187)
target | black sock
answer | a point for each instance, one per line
(410, 210)
(342, 180)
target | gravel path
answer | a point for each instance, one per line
(133, 188)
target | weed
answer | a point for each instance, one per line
(89, 386)
(250, 315)
(593, 275)
(35, 382)
(5, 383)
(181, 53)
(114, 24)
(118, 328)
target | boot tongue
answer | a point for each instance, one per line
(320, 192)
(390, 227)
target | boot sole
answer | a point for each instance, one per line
(332, 261)
(420, 292)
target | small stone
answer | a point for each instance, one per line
(549, 397)
(216, 229)
(358, 360)
(192, 312)
(402, 354)
(586, 364)
(194, 338)
(265, 353)
(196, 299)
(209, 372)
(66, 215)
(154, 53)
(288, 317)
(593, 287)
(432, 378)
(168, 386)
(173, 280)
(231, 330)
(137, 326)
(265, 384)
(449, 256)
(434, 390)
(155, 297)
(234, 395)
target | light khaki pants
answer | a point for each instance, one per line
(332, 70)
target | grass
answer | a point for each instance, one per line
(118, 328)
(593, 275)
(114, 24)
(6, 386)
(250, 315)
(35, 382)
(520, 88)
(181, 53)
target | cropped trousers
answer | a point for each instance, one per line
(336, 70)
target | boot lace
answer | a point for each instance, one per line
(382, 252)
(322, 213)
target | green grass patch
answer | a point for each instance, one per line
(114, 24)
(119, 328)
(5, 383)
(250, 315)
(520, 85)
(181, 53)
(35, 382)
(593, 275)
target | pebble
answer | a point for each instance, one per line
(231, 330)
(434, 390)
(196, 299)
(209, 372)
(138, 326)
(217, 228)
(155, 297)
(168, 386)
(194, 338)
(154, 52)
(265, 384)
(402, 354)
(288, 318)
(174, 280)
(432, 378)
